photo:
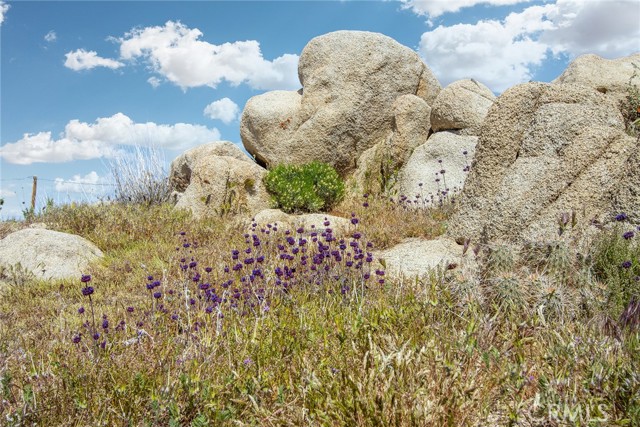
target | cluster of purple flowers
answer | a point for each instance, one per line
(276, 262)
(273, 262)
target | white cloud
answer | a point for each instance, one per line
(91, 183)
(103, 138)
(51, 36)
(177, 53)
(85, 60)
(154, 81)
(435, 8)
(7, 193)
(3, 10)
(502, 53)
(223, 109)
(608, 28)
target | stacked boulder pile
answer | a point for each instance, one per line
(372, 109)
(368, 106)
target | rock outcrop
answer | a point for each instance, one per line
(545, 150)
(216, 179)
(48, 254)
(461, 107)
(350, 80)
(422, 176)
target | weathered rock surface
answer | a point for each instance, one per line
(216, 179)
(267, 121)
(443, 151)
(339, 225)
(545, 150)
(48, 254)
(417, 257)
(461, 107)
(182, 166)
(410, 128)
(608, 76)
(350, 81)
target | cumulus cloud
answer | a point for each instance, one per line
(51, 36)
(502, 53)
(91, 183)
(177, 53)
(608, 28)
(103, 138)
(435, 8)
(223, 109)
(85, 60)
(3, 10)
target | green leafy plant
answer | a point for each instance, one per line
(311, 187)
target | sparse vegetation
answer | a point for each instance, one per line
(194, 323)
(630, 106)
(140, 176)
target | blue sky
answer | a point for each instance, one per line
(83, 81)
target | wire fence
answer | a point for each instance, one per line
(17, 193)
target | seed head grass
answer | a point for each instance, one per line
(198, 322)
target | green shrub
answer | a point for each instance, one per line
(311, 187)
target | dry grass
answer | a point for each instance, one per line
(517, 346)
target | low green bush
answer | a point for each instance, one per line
(311, 187)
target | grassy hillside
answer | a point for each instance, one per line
(216, 322)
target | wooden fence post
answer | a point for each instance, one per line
(33, 193)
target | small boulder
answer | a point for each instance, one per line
(218, 179)
(182, 166)
(418, 257)
(267, 121)
(48, 254)
(422, 179)
(339, 225)
(461, 107)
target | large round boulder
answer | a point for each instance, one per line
(461, 107)
(544, 152)
(350, 81)
(47, 254)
